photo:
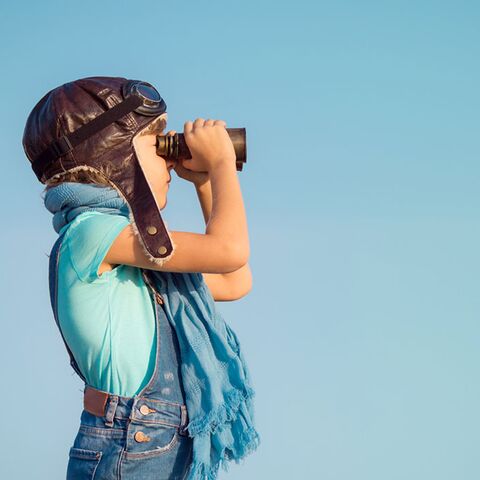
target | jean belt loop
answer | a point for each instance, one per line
(111, 408)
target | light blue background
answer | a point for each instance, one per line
(361, 191)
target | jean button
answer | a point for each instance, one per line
(141, 437)
(144, 410)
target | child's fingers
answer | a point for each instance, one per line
(188, 127)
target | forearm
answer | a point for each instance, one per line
(204, 193)
(227, 218)
(241, 278)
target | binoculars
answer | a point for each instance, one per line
(175, 147)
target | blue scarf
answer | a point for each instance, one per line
(220, 407)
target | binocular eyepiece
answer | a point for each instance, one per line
(175, 147)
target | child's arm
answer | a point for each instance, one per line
(224, 247)
(223, 286)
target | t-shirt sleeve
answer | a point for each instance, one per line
(89, 240)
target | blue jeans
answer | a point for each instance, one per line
(132, 448)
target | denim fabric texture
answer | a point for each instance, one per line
(140, 437)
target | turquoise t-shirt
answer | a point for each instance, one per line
(108, 321)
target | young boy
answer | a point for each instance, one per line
(116, 324)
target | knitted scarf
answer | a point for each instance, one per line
(216, 380)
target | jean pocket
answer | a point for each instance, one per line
(152, 441)
(82, 463)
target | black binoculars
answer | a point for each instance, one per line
(175, 147)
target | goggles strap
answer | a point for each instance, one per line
(68, 142)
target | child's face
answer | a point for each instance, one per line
(157, 169)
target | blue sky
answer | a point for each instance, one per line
(361, 192)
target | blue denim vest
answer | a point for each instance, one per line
(140, 437)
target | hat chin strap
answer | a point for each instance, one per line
(145, 217)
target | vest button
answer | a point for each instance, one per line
(141, 437)
(152, 230)
(144, 410)
(162, 250)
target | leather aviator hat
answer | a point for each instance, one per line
(90, 123)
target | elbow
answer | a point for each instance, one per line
(239, 290)
(238, 256)
(245, 291)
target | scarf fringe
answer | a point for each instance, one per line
(222, 414)
(201, 471)
(249, 441)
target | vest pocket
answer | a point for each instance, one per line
(82, 463)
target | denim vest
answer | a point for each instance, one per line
(140, 437)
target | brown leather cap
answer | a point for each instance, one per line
(72, 105)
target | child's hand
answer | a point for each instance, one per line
(197, 178)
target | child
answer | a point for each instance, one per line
(167, 390)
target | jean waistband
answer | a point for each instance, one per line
(141, 409)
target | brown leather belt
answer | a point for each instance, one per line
(94, 401)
